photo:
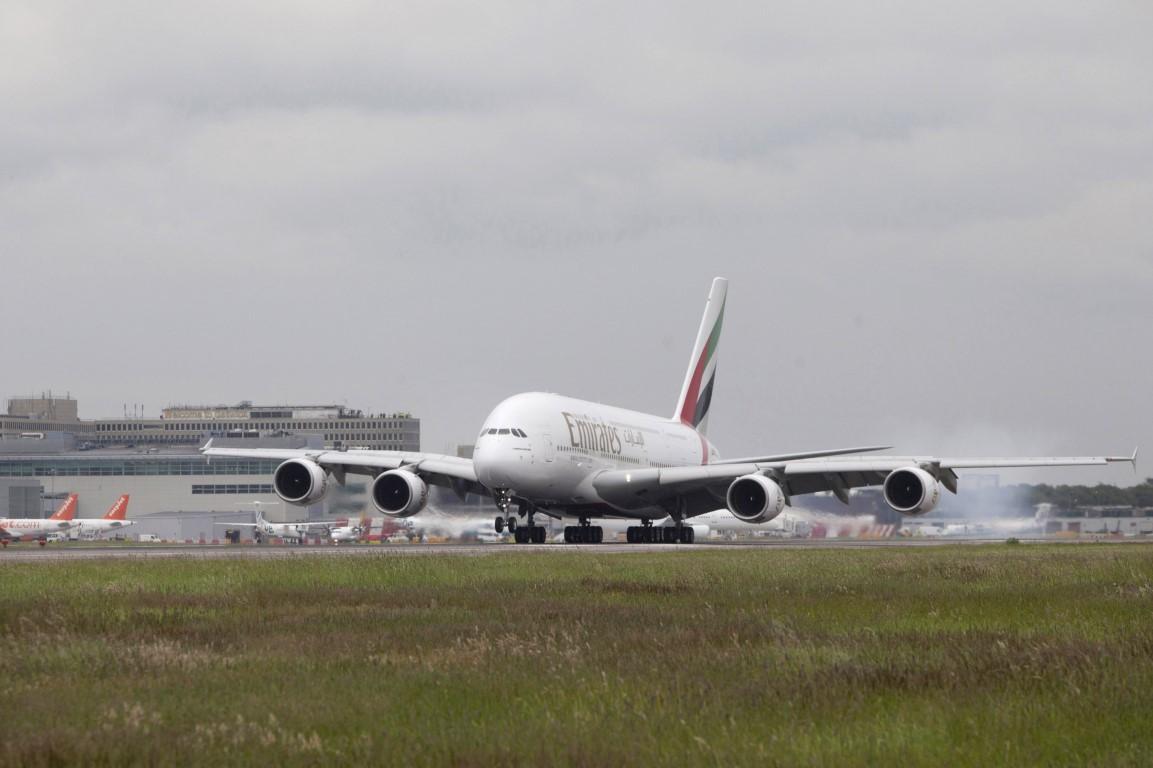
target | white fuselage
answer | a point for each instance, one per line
(346, 533)
(290, 531)
(548, 448)
(94, 526)
(31, 527)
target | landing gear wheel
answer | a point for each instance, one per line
(642, 534)
(512, 525)
(538, 534)
(499, 524)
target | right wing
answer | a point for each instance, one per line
(703, 486)
(448, 471)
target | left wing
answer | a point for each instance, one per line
(630, 488)
(437, 469)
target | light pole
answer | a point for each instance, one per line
(52, 492)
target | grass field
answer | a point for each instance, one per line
(997, 654)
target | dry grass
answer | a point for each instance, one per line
(959, 656)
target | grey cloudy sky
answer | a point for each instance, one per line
(935, 217)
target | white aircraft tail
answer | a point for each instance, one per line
(697, 391)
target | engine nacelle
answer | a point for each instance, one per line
(399, 493)
(300, 481)
(912, 491)
(755, 499)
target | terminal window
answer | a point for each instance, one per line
(230, 488)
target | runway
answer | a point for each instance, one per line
(31, 553)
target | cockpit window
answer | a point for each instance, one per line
(492, 432)
(519, 433)
(502, 431)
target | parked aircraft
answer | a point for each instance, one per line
(297, 532)
(114, 519)
(546, 454)
(350, 533)
(18, 529)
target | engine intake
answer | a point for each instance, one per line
(399, 493)
(755, 499)
(911, 491)
(300, 481)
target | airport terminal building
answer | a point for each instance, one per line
(47, 452)
(336, 426)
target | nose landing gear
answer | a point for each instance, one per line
(503, 498)
(530, 533)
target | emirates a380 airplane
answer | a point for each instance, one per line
(541, 453)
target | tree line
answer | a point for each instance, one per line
(1101, 495)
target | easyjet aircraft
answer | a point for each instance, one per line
(547, 454)
(113, 519)
(16, 528)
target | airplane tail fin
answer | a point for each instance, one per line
(697, 391)
(119, 510)
(67, 510)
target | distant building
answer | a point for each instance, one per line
(46, 408)
(336, 426)
(47, 451)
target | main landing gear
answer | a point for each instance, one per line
(647, 534)
(529, 534)
(583, 533)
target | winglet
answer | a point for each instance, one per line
(207, 445)
(1129, 459)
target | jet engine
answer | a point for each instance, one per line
(755, 499)
(911, 491)
(300, 481)
(399, 493)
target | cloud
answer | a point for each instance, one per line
(932, 216)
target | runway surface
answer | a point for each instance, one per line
(32, 553)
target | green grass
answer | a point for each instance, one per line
(1034, 654)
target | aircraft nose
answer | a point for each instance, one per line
(494, 463)
(490, 461)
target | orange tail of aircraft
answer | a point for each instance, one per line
(118, 510)
(67, 510)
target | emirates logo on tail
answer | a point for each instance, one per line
(697, 391)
